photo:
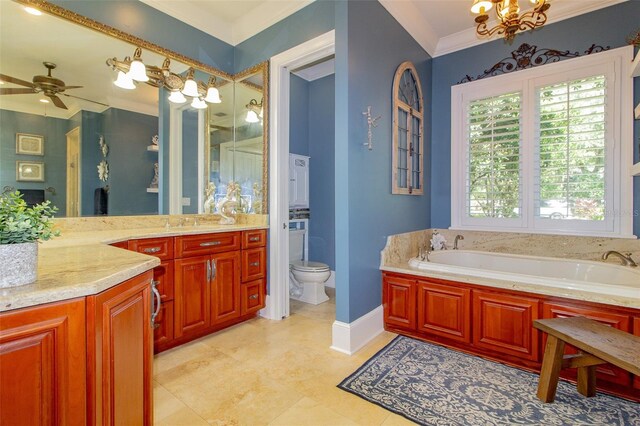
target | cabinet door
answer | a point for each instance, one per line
(504, 324)
(42, 365)
(254, 264)
(444, 311)
(636, 331)
(192, 294)
(399, 302)
(606, 372)
(120, 358)
(163, 275)
(163, 327)
(252, 294)
(225, 287)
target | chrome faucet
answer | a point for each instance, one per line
(624, 258)
(455, 242)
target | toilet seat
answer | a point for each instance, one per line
(308, 266)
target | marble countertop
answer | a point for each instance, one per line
(404, 268)
(78, 264)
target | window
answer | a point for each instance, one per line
(408, 109)
(546, 149)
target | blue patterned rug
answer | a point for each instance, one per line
(432, 385)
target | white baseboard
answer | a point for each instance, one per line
(348, 338)
(331, 282)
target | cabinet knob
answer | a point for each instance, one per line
(152, 250)
(254, 239)
(254, 264)
(253, 296)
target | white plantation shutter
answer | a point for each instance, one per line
(571, 150)
(493, 161)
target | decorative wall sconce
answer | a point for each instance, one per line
(371, 123)
(510, 21)
(134, 70)
(255, 111)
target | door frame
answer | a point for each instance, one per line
(277, 301)
(76, 133)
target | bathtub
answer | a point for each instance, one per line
(571, 274)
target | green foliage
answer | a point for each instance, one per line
(20, 223)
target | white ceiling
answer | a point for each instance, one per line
(439, 26)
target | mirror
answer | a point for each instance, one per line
(54, 153)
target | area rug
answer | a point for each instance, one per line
(432, 385)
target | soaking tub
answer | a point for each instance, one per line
(572, 274)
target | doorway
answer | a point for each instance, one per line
(73, 173)
(281, 65)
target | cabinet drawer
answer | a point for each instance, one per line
(253, 264)
(202, 244)
(163, 274)
(163, 327)
(636, 331)
(255, 238)
(159, 247)
(252, 294)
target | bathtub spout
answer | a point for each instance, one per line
(455, 242)
(624, 258)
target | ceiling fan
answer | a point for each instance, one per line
(46, 84)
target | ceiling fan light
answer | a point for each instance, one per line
(138, 71)
(481, 6)
(213, 96)
(124, 81)
(198, 103)
(252, 117)
(177, 98)
(190, 88)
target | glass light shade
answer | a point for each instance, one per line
(190, 88)
(124, 81)
(198, 103)
(479, 5)
(213, 96)
(138, 71)
(252, 117)
(261, 115)
(506, 7)
(177, 97)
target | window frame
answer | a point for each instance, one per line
(411, 113)
(619, 144)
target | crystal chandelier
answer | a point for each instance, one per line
(510, 21)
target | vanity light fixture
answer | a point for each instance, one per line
(177, 97)
(137, 69)
(254, 108)
(190, 86)
(213, 95)
(124, 81)
(32, 11)
(198, 103)
(510, 21)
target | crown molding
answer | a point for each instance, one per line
(191, 14)
(410, 17)
(559, 12)
(317, 71)
(262, 17)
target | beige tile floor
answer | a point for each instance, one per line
(264, 372)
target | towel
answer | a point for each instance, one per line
(100, 202)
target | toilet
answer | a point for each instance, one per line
(306, 278)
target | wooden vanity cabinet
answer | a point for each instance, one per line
(254, 271)
(444, 310)
(636, 332)
(399, 302)
(43, 376)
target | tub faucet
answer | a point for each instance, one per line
(455, 242)
(625, 258)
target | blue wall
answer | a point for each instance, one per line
(55, 153)
(299, 116)
(321, 120)
(370, 44)
(605, 27)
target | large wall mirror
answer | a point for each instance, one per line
(94, 148)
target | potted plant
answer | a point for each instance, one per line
(21, 227)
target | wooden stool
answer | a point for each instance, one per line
(599, 344)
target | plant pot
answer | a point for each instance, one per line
(18, 264)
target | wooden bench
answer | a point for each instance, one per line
(598, 344)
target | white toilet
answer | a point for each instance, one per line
(306, 278)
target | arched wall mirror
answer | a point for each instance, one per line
(95, 149)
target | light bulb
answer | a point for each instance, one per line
(177, 98)
(252, 117)
(137, 71)
(213, 96)
(124, 81)
(481, 6)
(198, 103)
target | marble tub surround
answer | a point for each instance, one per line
(76, 271)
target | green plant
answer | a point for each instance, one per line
(20, 223)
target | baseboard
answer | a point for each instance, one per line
(348, 338)
(331, 282)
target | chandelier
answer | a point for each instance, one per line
(130, 71)
(510, 21)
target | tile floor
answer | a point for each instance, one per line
(264, 372)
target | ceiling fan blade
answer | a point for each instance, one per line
(69, 87)
(84, 99)
(9, 79)
(16, 91)
(57, 102)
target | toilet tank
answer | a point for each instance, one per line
(296, 244)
